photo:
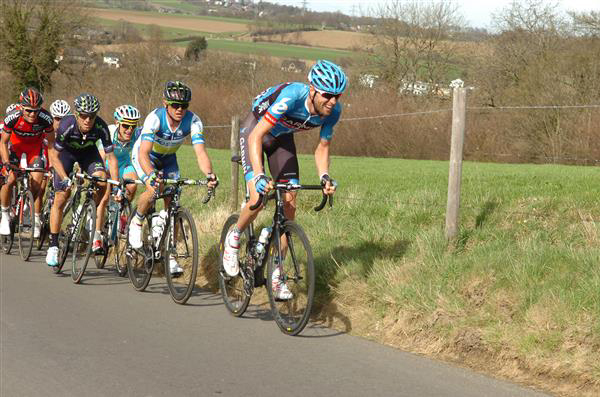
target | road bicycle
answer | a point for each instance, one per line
(22, 214)
(113, 231)
(79, 233)
(282, 248)
(167, 235)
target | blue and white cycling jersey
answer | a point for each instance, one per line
(285, 106)
(166, 141)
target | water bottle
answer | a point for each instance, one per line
(262, 241)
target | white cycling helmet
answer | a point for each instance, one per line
(11, 107)
(127, 114)
(59, 108)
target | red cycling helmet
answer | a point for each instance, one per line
(31, 97)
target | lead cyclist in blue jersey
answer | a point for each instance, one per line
(163, 133)
(277, 113)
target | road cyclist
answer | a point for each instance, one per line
(24, 130)
(277, 113)
(163, 132)
(75, 141)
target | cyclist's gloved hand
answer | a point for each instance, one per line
(213, 181)
(261, 181)
(329, 184)
(117, 192)
(153, 179)
(64, 184)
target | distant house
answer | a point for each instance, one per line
(293, 66)
(112, 59)
(75, 55)
(368, 80)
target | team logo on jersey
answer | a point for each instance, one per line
(280, 107)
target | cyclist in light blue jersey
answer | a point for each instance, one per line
(277, 113)
(123, 135)
(164, 131)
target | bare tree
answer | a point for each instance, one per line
(586, 22)
(147, 67)
(413, 40)
(33, 32)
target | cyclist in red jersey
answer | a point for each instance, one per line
(24, 128)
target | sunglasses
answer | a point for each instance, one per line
(128, 126)
(27, 110)
(328, 95)
(177, 105)
(86, 116)
(57, 118)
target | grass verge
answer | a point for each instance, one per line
(517, 295)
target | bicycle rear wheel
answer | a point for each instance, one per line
(232, 288)
(83, 236)
(120, 246)
(140, 262)
(45, 219)
(181, 246)
(296, 270)
(25, 224)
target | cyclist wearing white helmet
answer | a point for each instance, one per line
(59, 109)
(123, 135)
(277, 113)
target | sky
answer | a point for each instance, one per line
(477, 13)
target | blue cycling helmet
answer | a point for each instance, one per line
(328, 77)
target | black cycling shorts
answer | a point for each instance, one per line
(280, 151)
(89, 161)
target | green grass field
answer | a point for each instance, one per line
(519, 289)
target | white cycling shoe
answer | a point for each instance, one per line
(5, 224)
(280, 288)
(135, 235)
(230, 254)
(52, 256)
(37, 228)
(174, 268)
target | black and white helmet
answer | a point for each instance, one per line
(59, 108)
(86, 103)
(176, 91)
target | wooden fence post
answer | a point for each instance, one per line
(235, 168)
(459, 109)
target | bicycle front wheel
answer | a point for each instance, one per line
(120, 247)
(232, 288)
(290, 265)
(82, 240)
(25, 224)
(140, 262)
(181, 248)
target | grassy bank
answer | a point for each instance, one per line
(518, 295)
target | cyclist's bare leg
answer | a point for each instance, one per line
(132, 188)
(7, 190)
(98, 196)
(56, 214)
(36, 189)
(247, 215)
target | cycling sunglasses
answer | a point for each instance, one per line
(86, 116)
(328, 95)
(29, 110)
(177, 105)
(128, 126)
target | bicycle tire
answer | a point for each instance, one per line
(232, 288)
(65, 235)
(140, 263)
(100, 259)
(45, 219)
(181, 287)
(25, 226)
(8, 240)
(83, 237)
(298, 271)
(120, 245)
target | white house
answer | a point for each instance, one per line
(112, 59)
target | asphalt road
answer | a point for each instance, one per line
(102, 338)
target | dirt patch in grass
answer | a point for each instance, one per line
(169, 21)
